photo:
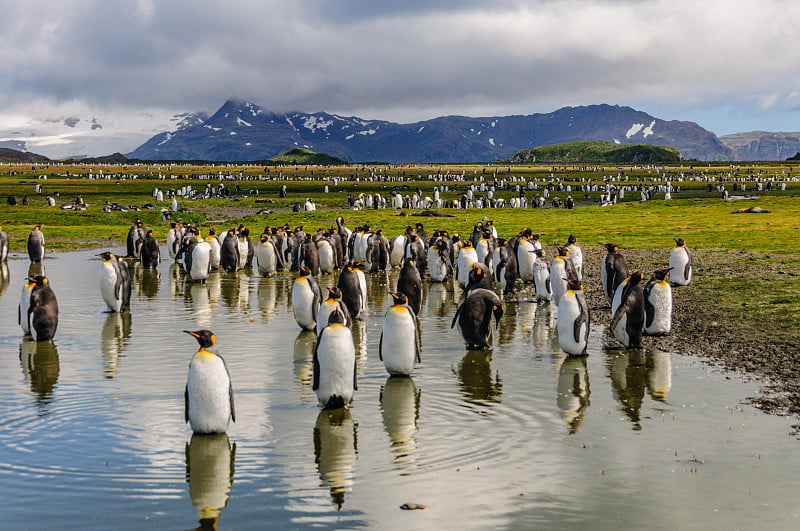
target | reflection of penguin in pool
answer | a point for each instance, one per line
(209, 472)
(149, 254)
(627, 313)
(306, 297)
(613, 270)
(3, 245)
(399, 344)
(410, 283)
(474, 317)
(326, 308)
(573, 391)
(208, 396)
(114, 284)
(658, 304)
(335, 364)
(573, 320)
(680, 260)
(335, 436)
(43, 310)
(36, 245)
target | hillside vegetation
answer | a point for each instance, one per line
(596, 151)
(306, 157)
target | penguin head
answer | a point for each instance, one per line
(501, 242)
(304, 272)
(441, 244)
(334, 293)
(149, 234)
(336, 317)
(610, 247)
(636, 277)
(31, 282)
(573, 285)
(679, 242)
(661, 274)
(106, 256)
(572, 239)
(38, 280)
(212, 232)
(205, 338)
(264, 238)
(497, 310)
(562, 251)
(399, 299)
(538, 252)
(467, 244)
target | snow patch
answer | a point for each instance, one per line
(494, 123)
(367, 132)
(635, 128)
(167, 138)
(313, 123)
(239, 121)
(617, 141)
(232, 133)
(289, 120)
(248, 144)
(649, 129)
(420, 129)
(349, 137)
(491, 140)
(212, 128)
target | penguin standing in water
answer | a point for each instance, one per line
(410, 284)
(627, 312)
(573, 320)
(561, 270)
(208, 397)
(309, 255)
(43, 310)
(399, 345)
(150, 255)
(267, 256)
(474, 317)
(306, 298)
(334, 379)
(576, 255)
(466, 258)
(24, 304)
(479, 278)
(212, 240)
(135, 238)
(680, 261)
(229, 252)
(658, 304)
(201, 261)
(541, 277)
(439, 264)
(174, 236)
(326, 308)
(505, 266)
(613, 270)
(36, 244)
(113, 283)
(3, 245)
(349, 284)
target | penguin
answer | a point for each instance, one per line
(334, 379)
(613, 270)
(658, 304)
(36, 244)
(24, 304)
(680, 261)
(266, 256)
(174, 236)
(627, 313)
(125, 275)
(149, 255)
(208, 397)
(186, 252)
(409, 282)
(3, 245)
(113, 282)
(466, 258)
(397, 250)
(399, 345)
(306, 298)
(561, 270)
(326, 254)
(213, 241)
(474, 317)
(309, 256)
(415, 250)
(541, 277)
(573, 320)
(201, 261)
(479, 278)
(326, 308)
(249, 248)
(485, 250)
(350, 285)
(525, 258)
(505, 266)
(439, 265)
(345, 234)
(229, 252)
(576, 255)
(362, 282)
(135, 238)
(43, 310)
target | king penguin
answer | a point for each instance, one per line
(306, 297)
(208, 397)
(201, 261)
(627, 312)
(43, 310)
(573, 320)
(466, 257)
(149, 255)
(229, 258)
(113, 283)
(541, 277)
(474, 317)
(576, 255)
(399, 345)
(36, 244)
(658, 304)
(505, 266)
(334, 378)
(439, 264)
(350, 285)
(266, 256)
(326, 308)
(613, 270)
(410, 284)
(213, 241)
(24, 304)
(479, 278)
(680, 260)
(561, 270)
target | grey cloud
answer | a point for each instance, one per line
(71, 121)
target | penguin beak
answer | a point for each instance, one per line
(193, 334)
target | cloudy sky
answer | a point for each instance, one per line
(97, 76)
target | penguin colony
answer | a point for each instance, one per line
(484, 266)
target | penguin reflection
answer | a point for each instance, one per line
(335, 452)
(36, 268)
(440, 298)
(658, 365)
(400, 400)
(148, 284)
(115, 337)
(475, 377)
(267, 295)
(4, 276)
(627, 372)
(573, 391)
(40, 367)
(304, 345)
(507, 327)
(209, 473)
